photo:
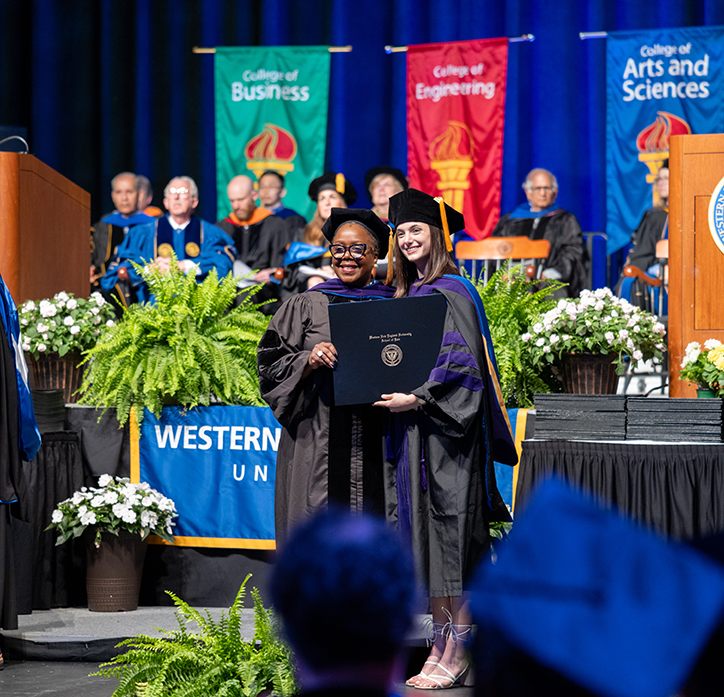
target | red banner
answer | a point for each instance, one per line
(455, 116)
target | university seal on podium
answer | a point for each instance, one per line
(716, 215)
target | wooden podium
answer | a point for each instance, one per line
(44, 230)
(696, 266)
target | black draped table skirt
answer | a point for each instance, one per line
(676, 489)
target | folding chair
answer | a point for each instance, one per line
(512, 250)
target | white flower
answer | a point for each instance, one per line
(660, 329)
(609, 337)
(98, 500)
(119, 509)
(82, 510)
(546, 349)
(166, 504)
(631, 322)
(26, 344)
(565, 337)
(147, 501)
(110, 323)
(540, 341)
(24, 322)
(614, 313)
(711, 343)
(133, 500)
(537, 327)
(659, 346)
(68, 321)
(588, 322)
(637, 328)
(623, 333)
(62, 296)
(630, 345)
(94, 310)
(99, 299)
(71, 304)
(30, 305)
(88, 518)
(45, 337)
(42, 328)
(77, 498)
(105, 480)
(149, 519)
(57, 516)
(553, 339)
(47, 309)
(97, 320)
(599, 305)
(75, 329)
(548, 326)
(129, 516)
(42, 348)
(601, 293)
(638, 355)
(111, 497)
(526, 337)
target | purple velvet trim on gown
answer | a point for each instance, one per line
(335, 287)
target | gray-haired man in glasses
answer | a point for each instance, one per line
(540, 218)
(199, 246)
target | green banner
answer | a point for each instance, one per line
(271, 114)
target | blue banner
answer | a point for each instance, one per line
(660, 83)
(218, 465)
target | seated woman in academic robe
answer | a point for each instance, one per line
(445, 435)
(326, 452)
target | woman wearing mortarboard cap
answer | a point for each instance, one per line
(331, 190)
(381, 183)
(446, 434)
(325, 453)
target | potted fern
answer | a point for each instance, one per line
(186, 348)
(216, 660)
(512, 302)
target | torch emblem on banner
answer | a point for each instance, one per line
(451, 156)
(272, 149)
(653, 143)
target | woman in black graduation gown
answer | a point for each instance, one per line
(445, 435)
(326, 453)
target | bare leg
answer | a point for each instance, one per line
(438, 637)
(454, 659)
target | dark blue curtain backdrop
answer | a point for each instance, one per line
(110, 85)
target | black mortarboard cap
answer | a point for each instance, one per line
(368, 219)
(413, 205)
(623, 619)
(392, 171)
(335, 182)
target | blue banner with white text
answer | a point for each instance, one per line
(659, 83)
(218, 465)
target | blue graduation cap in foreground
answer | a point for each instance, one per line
(605, 603)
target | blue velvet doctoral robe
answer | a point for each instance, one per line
(210, 248)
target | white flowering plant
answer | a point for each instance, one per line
(596, 322)
(704, 365)
(114, 505)
(63, 323)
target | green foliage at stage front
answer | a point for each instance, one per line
(184, 348)
(512, 302)
(215, 660)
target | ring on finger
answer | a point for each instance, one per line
(320, 353)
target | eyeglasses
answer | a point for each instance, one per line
(356, 251)
(541, 189)
(182, 191)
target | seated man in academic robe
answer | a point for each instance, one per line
(271, 192)
(540, 218)
(108, 233)
(199, 245)
(261, 238)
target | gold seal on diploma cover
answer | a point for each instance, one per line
(165, 250)
(192, 249)
(391, 355)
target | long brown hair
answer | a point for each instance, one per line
(313, 230)
(441, 263)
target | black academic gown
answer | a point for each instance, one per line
(326, 453)
(568, 254)
(649, 231)
(441, 466)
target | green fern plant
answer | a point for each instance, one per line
(216, 660)
(512, 303)
(186, 348)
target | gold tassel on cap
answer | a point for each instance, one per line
(390, 255)
(445, 227)
(339, 183)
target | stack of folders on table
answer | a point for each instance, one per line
(580, 417)
(697, 420)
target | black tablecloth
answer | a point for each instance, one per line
(677, 489)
